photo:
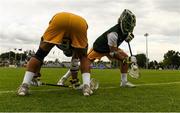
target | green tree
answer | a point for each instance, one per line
(172, 59)
(161, 65)
(153, 64)
(141, 60)
(13, 57)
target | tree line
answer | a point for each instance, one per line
(171, 59)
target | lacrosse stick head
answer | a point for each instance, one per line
(134, 71)
(94, 84)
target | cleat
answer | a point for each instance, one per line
(127, 84)
(23, 90)
(94, 85)
(86, 90)
(62, 81)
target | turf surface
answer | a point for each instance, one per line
(158, 91)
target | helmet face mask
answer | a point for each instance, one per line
(127, 21)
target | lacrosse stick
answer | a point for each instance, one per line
(49, 84)
(134, 70)
(94, 84)
(37, 82)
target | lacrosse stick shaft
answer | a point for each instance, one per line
(130, 49)
(48, 84)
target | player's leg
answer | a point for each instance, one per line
(53, 35)
(34, 66)
(124, 80)
(124, 69)
(93, 55)
(80, 44)
(74, 68)
(123, 57)
(85, 69)
(73, 72)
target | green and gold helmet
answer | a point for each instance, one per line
(127, 21)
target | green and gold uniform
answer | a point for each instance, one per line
(101, 47)
(67, 25)
(101, 43)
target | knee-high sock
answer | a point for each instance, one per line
(86, 78)
(28, 77)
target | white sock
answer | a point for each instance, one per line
(67, 75)
(123, 77)
(28, 77)
(86, 78)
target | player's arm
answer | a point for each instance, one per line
(115, 52)
(112, 42)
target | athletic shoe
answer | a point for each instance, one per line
(61, 81)
(94, 85)
(23, 89)
(86, 90)
(127, 84)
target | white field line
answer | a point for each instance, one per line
(43, 90)
(155, 84)
(148, 84)
(46, 90)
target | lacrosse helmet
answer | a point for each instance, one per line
(127, 21)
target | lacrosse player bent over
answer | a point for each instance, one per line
(107, 45)
(69, 31)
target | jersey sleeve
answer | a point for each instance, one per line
(112, 39)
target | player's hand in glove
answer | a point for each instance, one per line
(133, 59)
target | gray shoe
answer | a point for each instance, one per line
(23, 89)
(86, 90)
(127, 84)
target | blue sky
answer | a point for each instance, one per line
(23, 22)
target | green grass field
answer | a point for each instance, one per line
(157, 91)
